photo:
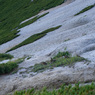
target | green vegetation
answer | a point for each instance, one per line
(85, 9)
(32, 20)
(61, 59)
(57, 63)
(6, 68)
(60, 54)
(4, 56)
(34, 37)
(63, 90)
(13, 12)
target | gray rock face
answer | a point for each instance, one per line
(77, 35)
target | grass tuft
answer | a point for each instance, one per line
(85, 9)
(31, 21)
(63, 90)
(61, 59)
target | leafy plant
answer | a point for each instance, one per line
(63, 90)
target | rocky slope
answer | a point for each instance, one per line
(77, 35)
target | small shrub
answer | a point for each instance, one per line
(62, 54)
(6, 68)
(4, 56)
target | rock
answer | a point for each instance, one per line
(81, 32)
